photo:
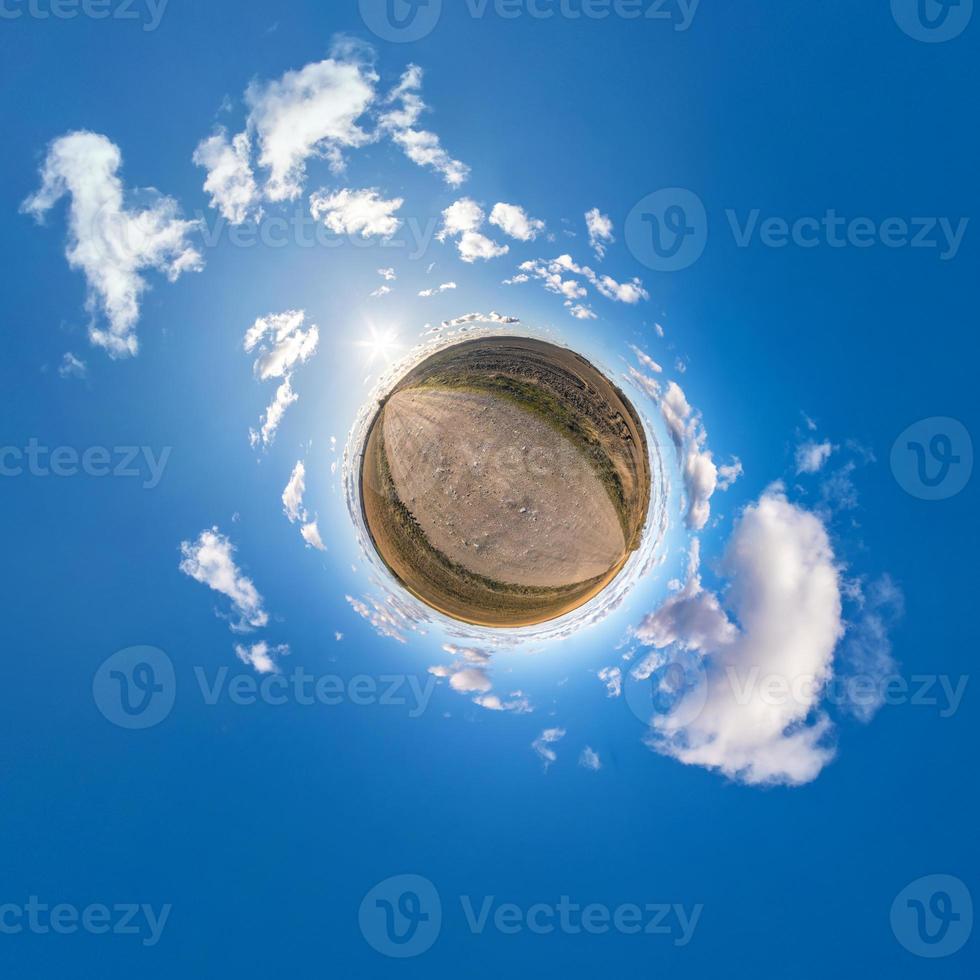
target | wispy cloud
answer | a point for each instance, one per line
(542, 745)
(211, 560)
(600, 231)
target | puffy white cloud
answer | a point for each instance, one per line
(381, 291)
(211, 560)
(387, 274)
(473, 245)
(544, 742)
(312, 112)
(600, 231)
(470, 679)
(364, 212)
(463, 215)
(620, 292)
(261, 656)
(462, 219)
(420, 146)
(230, 180)
(513, 220)
(282, 343)
(784, 595)
(691, 619)
(580, 312)
(811, 456)
(589, 759)
(311, 535)
(108, 242)
(445, 287)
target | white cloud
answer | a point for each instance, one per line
(312, 112)
(230, 180)
(612, 677)
(646, 360)
(589, 759)
(311, 535)
(261, 656)
(650, 385)
(620, 292)
(363, 212)
(272, 419)
(580, 312)
(445, 287)
(387, 274)
(698, 467)
(381, 291)
(211, 560)
(555, 276)
(292, 496)
(811, 456)
(518, 703)
(542, 745)
(463, 215)
(600, 231)
(463, 218)
(72, 367)
(691, 619)
(109, 243)
(513, 220)
(785, 597)
(470, 679)
(420, 146)
(282, 343)
(728, 475)
(468, 318)
(866, 653)
(473, 245)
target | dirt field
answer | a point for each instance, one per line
(497, 489)
(505, 481)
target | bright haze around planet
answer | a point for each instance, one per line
(505, 481)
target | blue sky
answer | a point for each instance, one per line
(249, 826)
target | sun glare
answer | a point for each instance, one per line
(380, 344)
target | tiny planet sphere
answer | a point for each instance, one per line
(505, 481)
